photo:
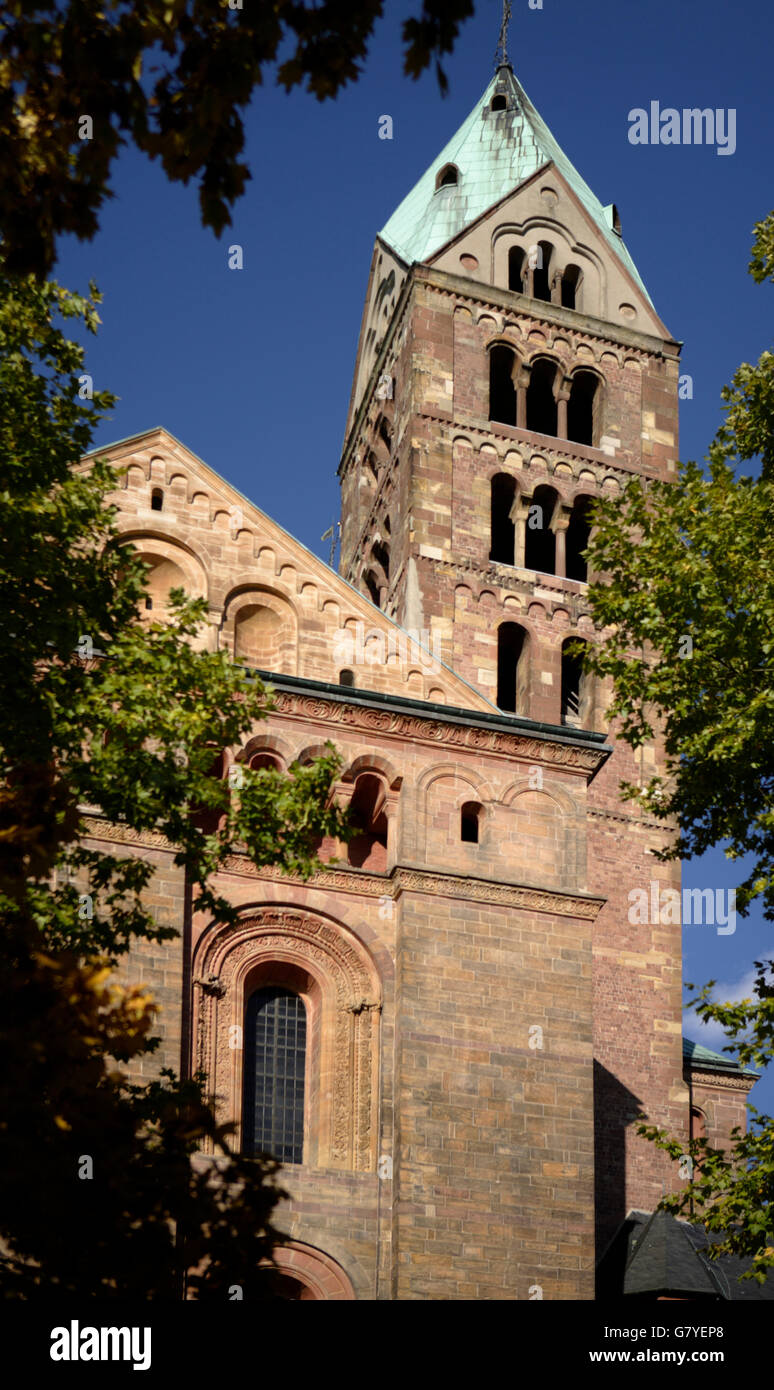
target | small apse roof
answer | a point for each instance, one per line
(705, 1058)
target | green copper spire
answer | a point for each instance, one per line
(494, 152)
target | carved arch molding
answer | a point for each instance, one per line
(347, 1011)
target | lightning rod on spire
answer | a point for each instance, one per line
(501, 52)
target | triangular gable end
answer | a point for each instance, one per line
(495, 152)
(205, 535)
(545, 205)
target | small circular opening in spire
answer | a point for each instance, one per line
(449, 174)
(499, 102)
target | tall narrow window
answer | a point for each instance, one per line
(541, 275)
(582, 408)
(516, 269)
(698, 1123)
(511, 668)
(381, 554)
(578, 533)
(368, 848)
(384, 434)
(571, 287)
(541, 401)
(275, 1062)
(539, 539)
(502, 392)
(576, 688)
(470, 822)
(372, 586)
(157, 499)
(503, 531)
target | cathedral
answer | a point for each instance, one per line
(447, 1033)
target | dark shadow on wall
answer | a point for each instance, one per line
(615, 1110)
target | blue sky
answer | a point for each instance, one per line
(252, 369)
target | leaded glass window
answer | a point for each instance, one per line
(275, 1059)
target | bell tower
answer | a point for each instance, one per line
(511, 367)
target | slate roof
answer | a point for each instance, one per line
(495, 152)
(664, 1259)
(654, 1254)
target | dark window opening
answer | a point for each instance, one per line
(581, 408)
(384, 434)
(148, 603)
(499, 102)
(503, 531)
(502, 392)
(275, 1063)
(576, 686)
(381, 555)
(516, 269)
(470, 821)
(346, 677)
(264, 762)
(511, 668)
(578, 533)
(448, 175)
(541, 402)
(387, 525)
(540, 541)
(372, 586)
(372, 464)
(368, 848)
(157, 499)
(541, 283)
(571, 287)
(208, 817)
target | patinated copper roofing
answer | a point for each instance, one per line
(494, 152)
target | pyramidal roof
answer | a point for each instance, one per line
(495, 152)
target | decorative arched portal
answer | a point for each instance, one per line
(322, 963)
(301, 1274)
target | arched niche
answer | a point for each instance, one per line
(262, 631)
(170, 566)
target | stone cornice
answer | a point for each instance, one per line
(417, 879)
(641, 822)
(511, 579)
(99, 828)
(550, 900)
(471, 732)
(720, 1081)
(464, 290)
(526, 441)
